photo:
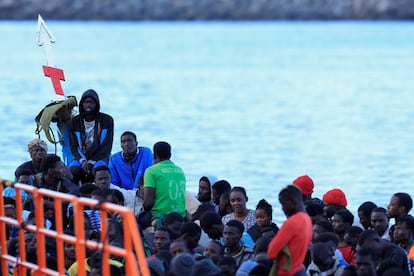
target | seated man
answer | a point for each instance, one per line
(52, 177)
(128, 166)
(103, 181)
(324, 261)
(91, 136)
(37, 148)
(384, 250)
(164, 184)
(232, 234)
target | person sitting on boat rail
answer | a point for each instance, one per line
(91, 137)
(128, 166)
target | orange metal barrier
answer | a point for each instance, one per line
(133, 253)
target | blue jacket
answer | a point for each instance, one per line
(125, 174)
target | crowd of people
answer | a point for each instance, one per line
(212, 232)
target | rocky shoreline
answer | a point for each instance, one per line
(146, 10)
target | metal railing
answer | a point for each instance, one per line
(132, 253)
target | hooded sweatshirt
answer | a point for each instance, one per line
(101, 146)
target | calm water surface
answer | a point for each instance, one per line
(257, 104)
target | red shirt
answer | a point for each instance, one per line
(348, 253)
(296, 234)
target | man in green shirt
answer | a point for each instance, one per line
(164, 184)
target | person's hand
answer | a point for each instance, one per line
(87, 167)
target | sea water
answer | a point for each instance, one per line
(255, 103)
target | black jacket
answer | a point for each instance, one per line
(101, 147)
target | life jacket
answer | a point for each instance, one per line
(50, 114)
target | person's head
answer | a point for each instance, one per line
(290, 198)
(115, 230)
(23, 175)
(342, 221)
(232, 233)
(352, 236)
(219, 188)
(404, 230)
(224, 204)
(268, 231)
(174, 221)
(87, 189)
(116, 197)
(372, 240)
(113, 270)
(9, 208)
(99, 194)
(212, 225)
(261, 245)
(400, 204)
(162, 151)
(191, 232)
(330, 238)
(228, 265)
(321, 226)
(201, 210)
(314, 210)
(205, 188)
(205, 266)
(162, 238)
(102, 177)
(260, 269)
(30, 240)
(263, 213)
(182, 264)
(333, 200)
(129, 143)
(37, 148)
(179, 246)
(305, 184)
(323, 256)
(89, 104)
(364, 213)
(52, 166)
(69, 249)
(238, 200)
(215, 251)
(379, 220)
(365, 262)
(349, 270)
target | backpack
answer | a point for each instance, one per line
(50, 114)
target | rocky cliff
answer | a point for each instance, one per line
(208, 9)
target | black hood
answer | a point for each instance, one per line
(89, 93)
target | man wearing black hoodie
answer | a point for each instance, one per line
(91, 136)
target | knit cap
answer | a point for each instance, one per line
(36, 143)
(335, 196)
(305, 184)
(182, 264)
